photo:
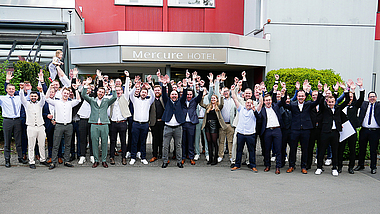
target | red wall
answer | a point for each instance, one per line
(377, 29)
(103, 16)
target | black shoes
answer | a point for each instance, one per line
(214, 163)
(44, 163)
(32, 166)
(164, 165)
(339, 169)
(358, 168)
(180, 165)
(52, 166)
(112, 161)
(72, 158)
(68, 164)
(7, 163)
(20, 160)
(373, 171)
(351, 171)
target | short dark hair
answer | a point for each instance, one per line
(9, 85)
(33, 92)
(371, 93)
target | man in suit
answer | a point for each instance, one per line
(174, 118)
(301, 126)
(331, 125)
(271, 131)
(369, 118)
(156, 124)
(191, 120)
(99, 120)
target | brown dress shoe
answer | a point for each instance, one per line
(24, 156)
(112, 161)
(120, 151)
(267, 169)
(60, 161)
(254, 169)
(96, 164)
(37, 157)
(116, 154)
(291, 169)
(153, 159)
(49, 161)
(124, 161)
(304, 171)
(277, 172)
(192, 162)
(104, 164)
(235, 168)
(183, 161)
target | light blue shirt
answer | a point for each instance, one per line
(247, 121)
(7, 107)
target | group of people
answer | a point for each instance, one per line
(226, 118)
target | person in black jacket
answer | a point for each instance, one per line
(350, 114)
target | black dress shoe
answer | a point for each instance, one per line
(351, 171)
(20, 160)
(373, 171)
(214, 163)
(68, 164)
(232, 165)
(358, 168)
(104, 164)
(339, 170)
(52, 166)
(44, 163)
(208, 162)
(180, 165)
(164, 165)
(32, 166)
(72, 158)
(7, 164)
(123, 161)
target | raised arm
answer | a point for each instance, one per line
(22, 97)
(234, 96)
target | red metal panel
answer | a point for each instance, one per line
(143, 18)
(226, 17)
(186, 19)
(377, 29)
(102, 16)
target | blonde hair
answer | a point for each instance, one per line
(209, 106)
(58, 52)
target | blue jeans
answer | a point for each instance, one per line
(251, 144)
(198, 133)
(139, 134)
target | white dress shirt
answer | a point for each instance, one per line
(63, 109)
(272, 120)
(141, 106)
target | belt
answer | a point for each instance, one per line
(120, 121)
(227, 122)
(63, 123)
(159, 119)
(139, 122)
(173, 127)
(99, 124)
(271, 128)
(371, 129)
(246, 134)
(200, 117)
(16, 118)
(84, 118)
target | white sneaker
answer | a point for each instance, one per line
(318, 171)
(207, 158)
(196, 157)
(316, 161)
(334, 172)
(138, 155)
(128, 155)
(220, 159)
(82, 159)
(273, 159)
(328, 162)
(144, 161)
(92, 159)
(286, 159)
(133, 161)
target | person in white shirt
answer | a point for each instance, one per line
(63, 127)
(35, 125)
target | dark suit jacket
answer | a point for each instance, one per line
(173, 107)
(352, 111)
(328, 116)
(152, 112)
(301, 120)
(192, 109)
(264, 117)
(363, 111)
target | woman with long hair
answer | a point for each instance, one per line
(212, 121)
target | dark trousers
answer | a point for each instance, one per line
(129, 143)
(188, 139)
(315, 135)
(12, 126)
(140, 132)
(351, 141)
(49, 129)
(272, 137)
(120, 128)
(286, 134)
(75, 133)
(85, 136)
(302, 136)
(66, 131)
(158, 136)
(251, 144)
(328, 138)
(371, 136)
(24, 136)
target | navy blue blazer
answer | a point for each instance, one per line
(173, 107)
(363, 111)
(192, 109)
(264, 117)
(301, 120)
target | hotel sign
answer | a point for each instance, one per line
(164, 54)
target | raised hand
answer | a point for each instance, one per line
(243, 74)
(75, 72)
(236, 80)
(298, 85)
(158, 73)
(275, 87)
(127, 73)
(283, 84)
(336, 86)
(149, 78)
(304, 85)
(359, 82)
(41, 76)
(276, 77)
(184, 81)
(223, 76)
(319, 85)
(112, 84)
(232, 87)
(218, 78)
(9, 76)
(210, 76)
(179, 83)
(21, 85)
(202, 83)
(325, 87)
(98, 72)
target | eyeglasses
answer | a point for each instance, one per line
(372, 97)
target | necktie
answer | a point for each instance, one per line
(14, 106)
(370, 114)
